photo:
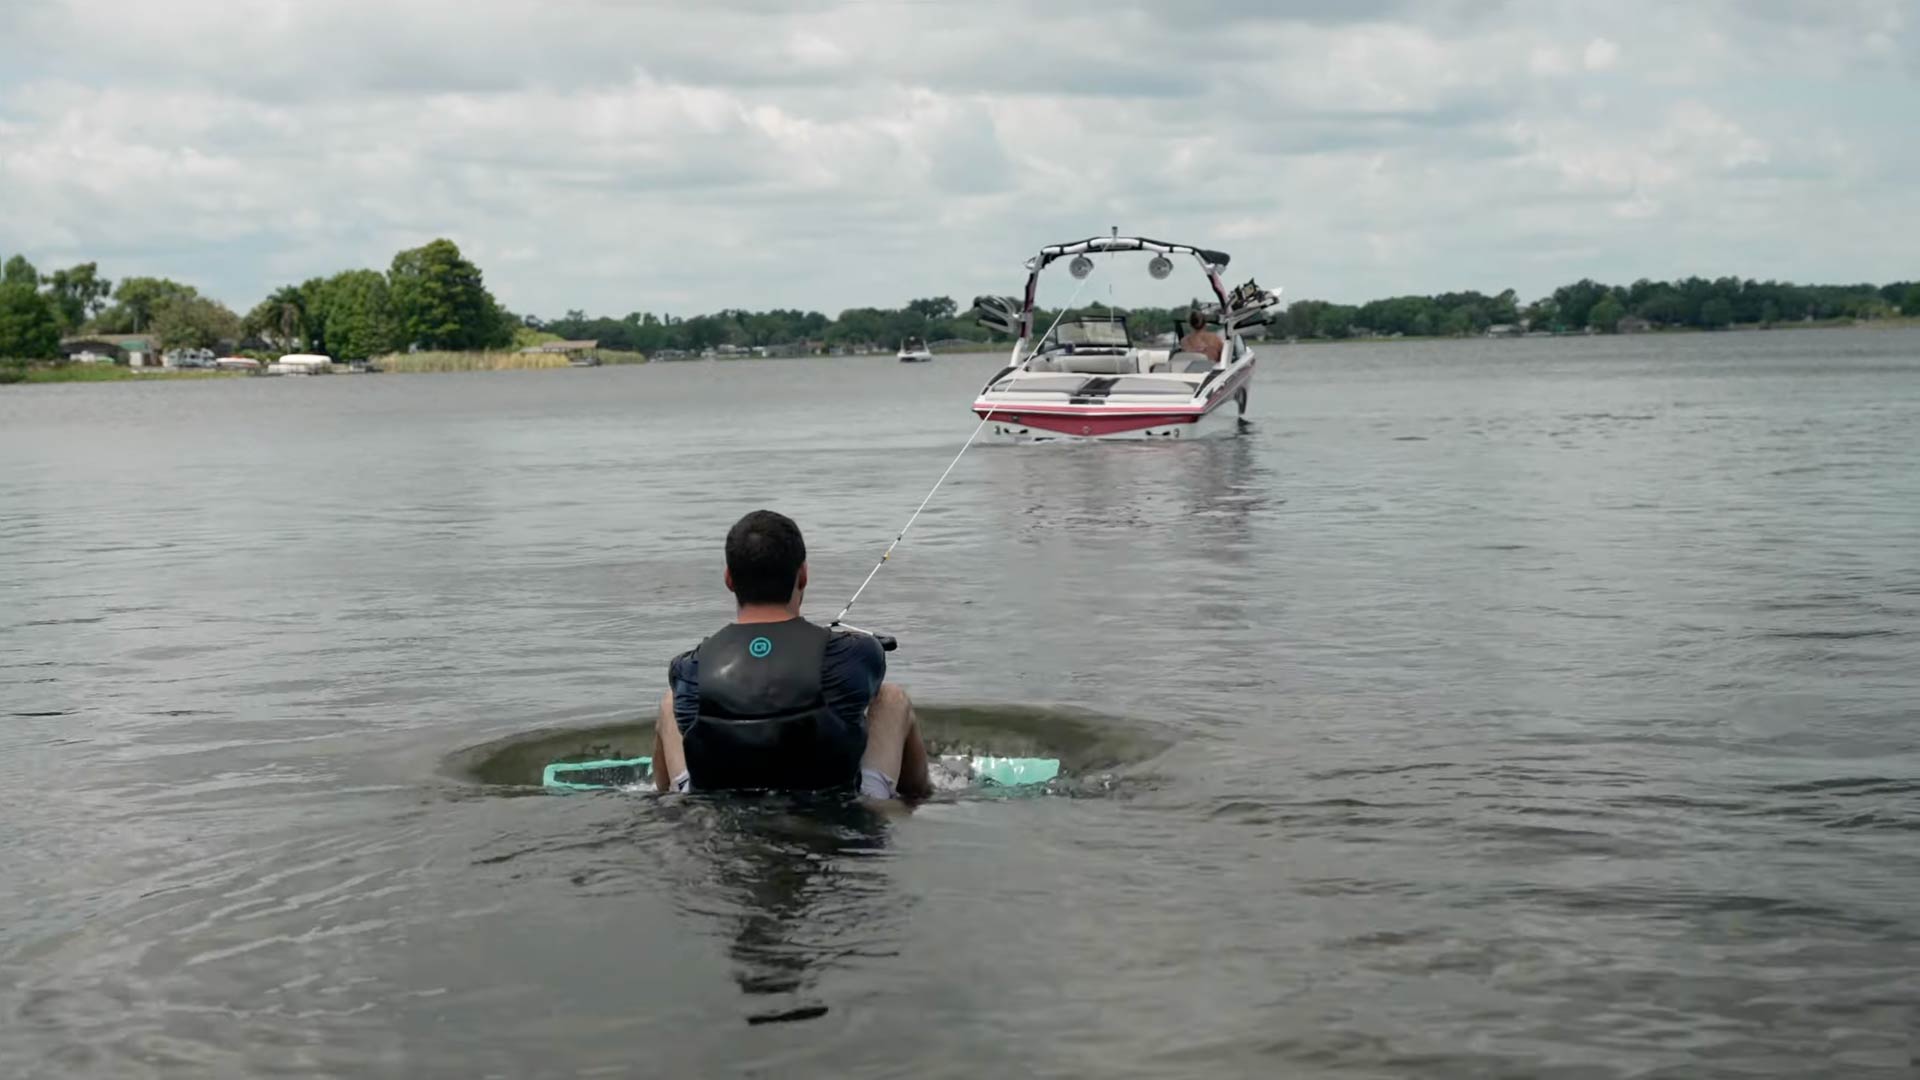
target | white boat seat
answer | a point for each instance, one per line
(1096, 364)
(1182, 363)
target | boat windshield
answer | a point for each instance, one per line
(1094, 331)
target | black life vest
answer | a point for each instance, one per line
(763, 720)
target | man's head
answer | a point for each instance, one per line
(1196, 320)
(766, 560)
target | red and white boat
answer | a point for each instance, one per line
(1086, 378)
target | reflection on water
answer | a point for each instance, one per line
(801, 883)
(1230, 488)
(1132, 506)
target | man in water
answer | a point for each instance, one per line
(773, 701)
(1201, 340)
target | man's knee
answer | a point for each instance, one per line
(890, 711)
(891, 706)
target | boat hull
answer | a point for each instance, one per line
(1218, 415)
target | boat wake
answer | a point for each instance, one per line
(1094, 754)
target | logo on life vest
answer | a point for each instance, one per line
(759, 647)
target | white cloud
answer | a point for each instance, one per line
(619, 157)
(1549, 62)
(1600, 54)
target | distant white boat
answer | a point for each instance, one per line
(913, 351)
(301, 364)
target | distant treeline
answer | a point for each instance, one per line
(1693, 302)
(930, 319)
(432, 298)
(1589, 305)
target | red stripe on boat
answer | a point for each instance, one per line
(1092, 425)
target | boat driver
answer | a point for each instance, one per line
(772, 701)
(1201, 340)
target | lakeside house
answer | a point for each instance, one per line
(1505, 330)
(1632, 324)
(133, 350)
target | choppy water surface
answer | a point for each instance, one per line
(1489, 709)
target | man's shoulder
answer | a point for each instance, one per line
(854, 660)
(684, 666)
(855, 649)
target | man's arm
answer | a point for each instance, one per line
(850, 674)
(682, 697)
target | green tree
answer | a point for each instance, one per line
(440, 302)
(860, 326)
(77, 294)
(28, 329)
(1664, 306)
(934, 307)
(704, 332)
(1576, 301)
(18, 271)
(1505, 307)
(1395, 315)
(1335, 321)
(355, 309)
(1303, 317)
(1716, 313)
(280, 319)
(194, 322)
(1542, 314)
(1605, 315)
(1910, 305)
(313, 304)
(135, 302)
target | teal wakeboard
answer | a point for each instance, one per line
(978, 770)
(597, 775)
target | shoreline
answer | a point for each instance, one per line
(41, 373)
(1897, 322)
(31, 373)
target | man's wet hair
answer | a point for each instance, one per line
(1197, 319)
(764, 556)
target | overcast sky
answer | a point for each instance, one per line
(685, 156)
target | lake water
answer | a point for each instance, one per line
(1519, 708)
